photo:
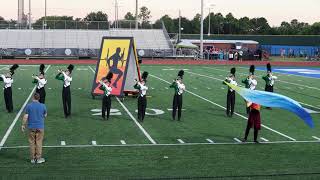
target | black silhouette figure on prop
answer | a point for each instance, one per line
(116, 57)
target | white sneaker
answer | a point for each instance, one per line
(33, 161)
(41, 160)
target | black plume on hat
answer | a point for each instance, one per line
(41, 69)
(13, 68)
(233, 71)
(145, 75)
(70, 68)
(269, 69)
(109, 76)
(252, 69)
(181, 74)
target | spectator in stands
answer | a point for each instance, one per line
(282, 53)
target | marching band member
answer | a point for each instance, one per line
(231, 96)
(270, 79)
(7, 92)
(106, 100)
(250, 82)
(142, 99)
(41, 82)
(254, 121)
(179, 88)
(65, 76)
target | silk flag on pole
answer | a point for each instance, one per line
(275, 100)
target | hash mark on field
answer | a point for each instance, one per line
(19, 88)
(49, 88)
(222, 87)
(180, 141)
(210, 141)
(236, 139)
(152, 88)
(301, 88)
(166, 88)
(94, 143)
(79, 88)
(63, 143)
(264, 139)
(123, 142)
(315, 137)
(195, 88)
(208, 88)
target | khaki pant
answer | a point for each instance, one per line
(35, 141)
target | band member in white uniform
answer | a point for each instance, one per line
(142, 98)
(41, 82)
(65, 76)
(7, 90)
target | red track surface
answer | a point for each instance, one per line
(161, 62)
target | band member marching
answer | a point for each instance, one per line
(142, 99)
(231, 96)
(250, 82)
(270, 79)
(65, 76)
(254, 121)
(106, 100)
(7, 92)
(41, 82)
(179, 88)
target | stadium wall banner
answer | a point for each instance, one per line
(119, 56)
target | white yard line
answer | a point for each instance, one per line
(180, 141)
(264, 139)
(210, 141)
(286, 82)
(122, 142)
(133, 118)
(136, 122)
(177, 144)
(5, 137)
(315, 137)
(63, 143)
(310, 105)
(200, 97)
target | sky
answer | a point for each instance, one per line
(275, 11)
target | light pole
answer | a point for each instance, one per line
(137, 24)
(45, 14)
(201, 31)
(179, 36)
(209, 28)
(30, 14)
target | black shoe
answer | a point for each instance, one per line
(244, 140)
(257, 142)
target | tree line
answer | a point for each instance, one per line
(219, 24)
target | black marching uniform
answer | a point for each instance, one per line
(231, 95)
(41, 82)
(106, 100)
(269, 79)
(7, 90)
(142, 98)
(177, 98)
(66, 93)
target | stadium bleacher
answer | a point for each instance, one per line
(81, 42)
